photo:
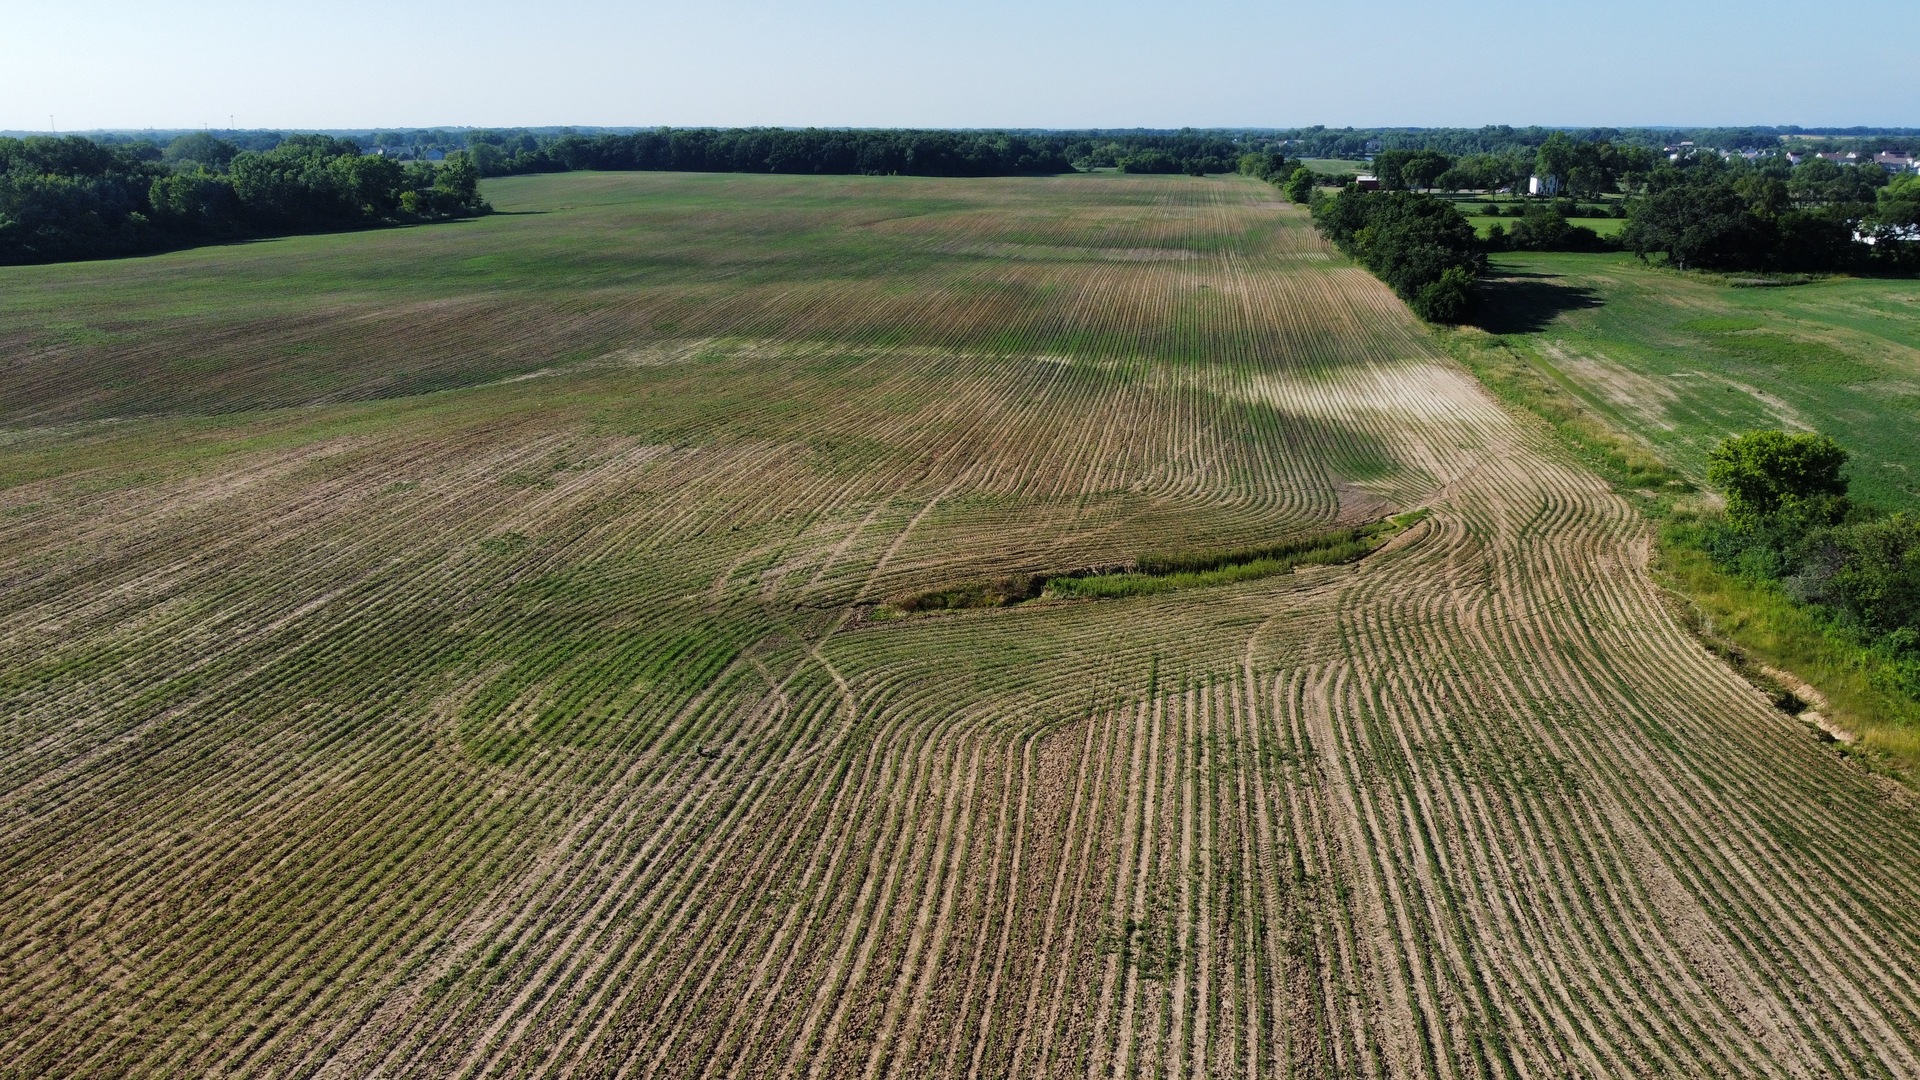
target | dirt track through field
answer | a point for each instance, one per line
(543, 728)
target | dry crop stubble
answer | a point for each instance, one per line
(537, 726)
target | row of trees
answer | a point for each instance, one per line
(1195, 153)
(868, 152)
(1789, 521)
(1582, 168)
(1419, 245)
(1713, 214)
(776, 150)
(1501, 140)
(75, 198)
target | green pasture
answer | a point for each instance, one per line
(1335, 166)
(1601, 225)
(1683, 360)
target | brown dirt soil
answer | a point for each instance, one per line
(528, 728)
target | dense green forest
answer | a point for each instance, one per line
(1096, 148)
(73, 198)
(1492, 156)
(1488, 157)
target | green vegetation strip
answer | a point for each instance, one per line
(1160, 573)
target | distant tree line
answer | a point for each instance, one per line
(72, 198)
(1789, 521)
(1698, 210)
(1505, 141)
(774, 150)
(1582, 169)
(1105, 148)
(1709, 213)
(862, 152)
(1195, 153)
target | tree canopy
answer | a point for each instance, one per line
(1762, 472)
(1709, 213)
(75, 198)
(1419, 245)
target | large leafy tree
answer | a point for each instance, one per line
(1556, 157)
(200, 148)
(1389, 167)
(1898, 204)
(1299, 188)
(1425, 167)
(1697, 220)
(1765, 472)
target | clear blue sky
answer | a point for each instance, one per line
(1025, 63)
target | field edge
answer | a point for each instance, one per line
(1749, 627)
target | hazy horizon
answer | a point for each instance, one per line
(1064, 64)
(1811, 130)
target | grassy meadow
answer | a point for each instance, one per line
(631, 635)
(1683, 360)
(1335, 166)
(1602, 226)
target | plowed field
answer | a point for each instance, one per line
(462, 651)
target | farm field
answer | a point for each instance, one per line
(458, 651)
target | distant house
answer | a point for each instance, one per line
(1897, 162)
(1366, 182)
(1543, 185)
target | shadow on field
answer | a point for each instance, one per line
(1524, 303)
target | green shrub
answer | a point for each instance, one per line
(1448, 300)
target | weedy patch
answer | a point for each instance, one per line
(1164, 573)
(1158, 573)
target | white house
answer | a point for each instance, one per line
(1543, 185)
